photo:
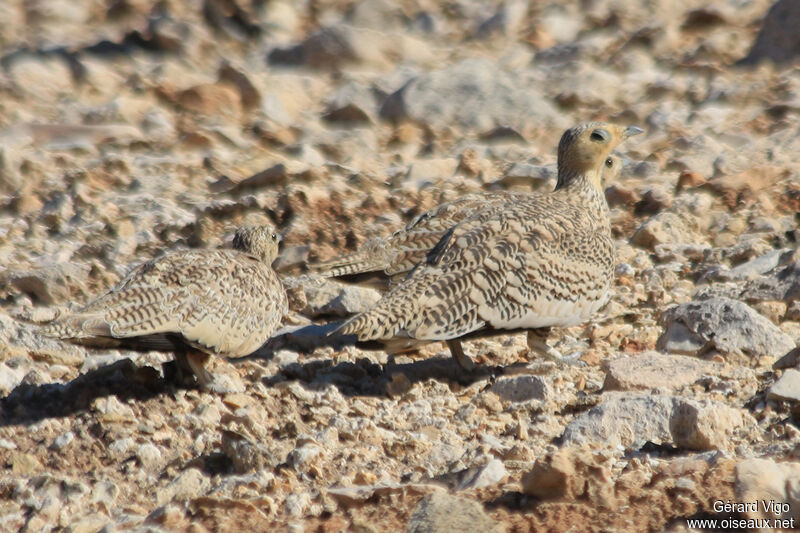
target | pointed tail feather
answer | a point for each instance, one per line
(77, 327)
(398, 314)
(354, 263)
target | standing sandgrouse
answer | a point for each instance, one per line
(395, 255)
(534, 261)
(195, 303)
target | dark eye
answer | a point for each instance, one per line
(274, 236)
(609, 162)
(599, 136)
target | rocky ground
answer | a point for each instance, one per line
(134, 126)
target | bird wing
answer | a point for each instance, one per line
(220, 301)
(400, 252)
(514, 268)
(410, 246)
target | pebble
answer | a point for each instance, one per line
(52, 283)
(149, 456)
(487, 475)
(63, 440)
(571, 473)
(487, 96)
(666, 228)
(759, 479)
(331, 298)
(791, 359)
(522, 388)
(189, 484)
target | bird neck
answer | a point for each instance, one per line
(585, 188)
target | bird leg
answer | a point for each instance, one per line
(458, 353)
(537, 343)
(192, 363)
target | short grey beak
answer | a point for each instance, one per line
(630, 131)
(280, 238)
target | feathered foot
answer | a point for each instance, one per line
(537, 343)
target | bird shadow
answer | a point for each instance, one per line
(362, 377)
(30, 403)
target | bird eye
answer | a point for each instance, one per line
(599, 136)
(274, 236)
(609, 162)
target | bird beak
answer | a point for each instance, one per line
(630, 131)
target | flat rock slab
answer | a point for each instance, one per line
(654, 370)
(630, 420)
(722, 324)
(357, 495)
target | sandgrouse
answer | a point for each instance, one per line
(397, 254)
(530, 262)
(195, 303)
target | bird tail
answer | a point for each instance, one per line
(354, 263)
(397, 314)
(77, 326)
(371, 257)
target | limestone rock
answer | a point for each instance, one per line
(351, 103)
(440, 512)
(782, 283)
(332, 298)
(778, 39)
(666, 228)
(486, 475)
(765, 479)
(334, 46)
(630, 420)
(705, 425)
(791, 359)
(721, 324)
(787, 388)
(187, 485)
(653, 370)
(473, 94)
(571, 473)
(522, 388)
(52, 283)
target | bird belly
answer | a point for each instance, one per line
(554, 313)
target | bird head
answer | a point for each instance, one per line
(585, 149)
(612, 169)
(259, 241)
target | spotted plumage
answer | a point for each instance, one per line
(530, 261)
(196, 303)
(400, 252)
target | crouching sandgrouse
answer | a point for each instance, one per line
(533, 261)
(195, 303)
